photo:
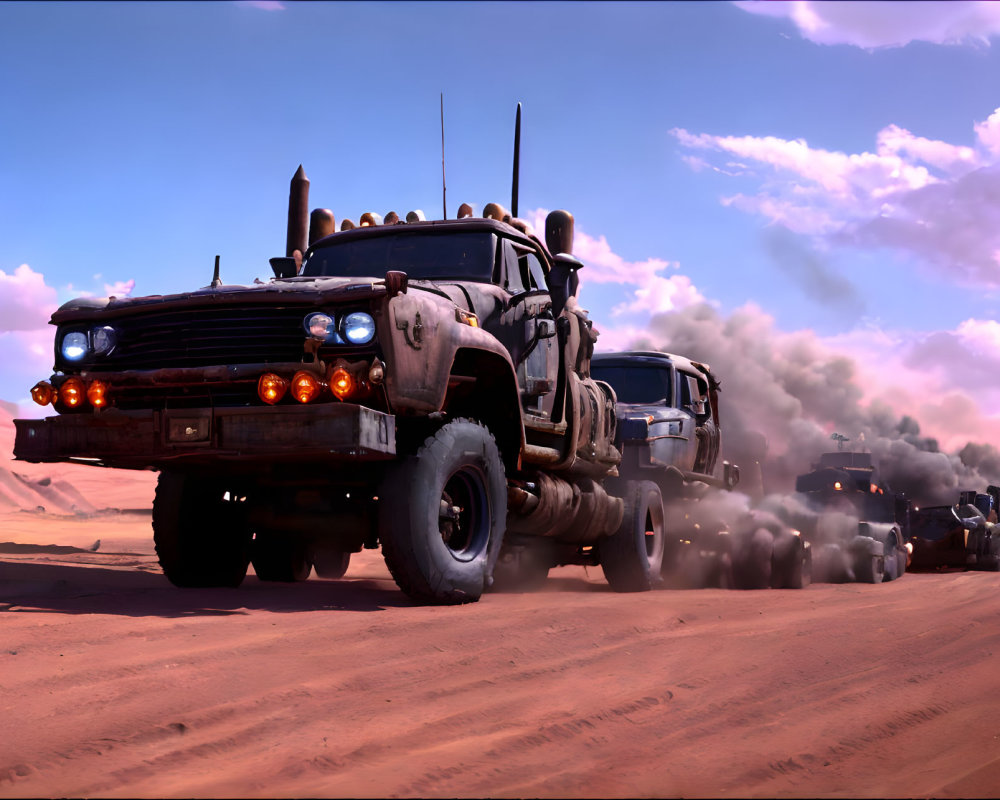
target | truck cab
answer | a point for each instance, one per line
(679, 398)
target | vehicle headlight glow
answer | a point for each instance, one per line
(318, 326)
(358, 328)
(74, 346)
(103, 340)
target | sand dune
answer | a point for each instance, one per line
(67, 488)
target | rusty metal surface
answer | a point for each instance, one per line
(298, 213)
(154, 439)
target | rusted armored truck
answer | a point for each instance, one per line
(876, 548)
(422, 386)
(670, 435)
(964, 535)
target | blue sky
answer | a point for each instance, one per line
(827, 163)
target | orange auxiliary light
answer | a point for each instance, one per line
(306, 387)
(72, 393)
(43, 393)
(341, 382)
(97, 394)
(271, 388)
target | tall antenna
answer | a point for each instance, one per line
(444, 190)
(517, 162)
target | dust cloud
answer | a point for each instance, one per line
(783, 396)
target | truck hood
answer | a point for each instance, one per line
(298, 290)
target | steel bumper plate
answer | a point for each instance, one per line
(151, 438)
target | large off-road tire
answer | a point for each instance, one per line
(868, 560)
(989, 563)
(632, 557)
(331, 564)
(791, 563)
(200, 531)
(279, 557)
(442, 515)
(752, 552)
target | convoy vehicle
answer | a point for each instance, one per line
(847, 483)
(670, 435)
(421, 386)
(963, 535)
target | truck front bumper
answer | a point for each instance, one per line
(158, 439)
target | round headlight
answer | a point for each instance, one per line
(102, 340)
(74, 345)
(318, 326)
(358, 328)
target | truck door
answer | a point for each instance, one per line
(533, 344)
(695, 398)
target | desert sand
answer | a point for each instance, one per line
(115, 684)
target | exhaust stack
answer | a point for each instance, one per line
(298, 214)
(559, 232)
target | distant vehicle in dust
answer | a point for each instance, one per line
(960, 536)
(847, 484)
(670, 435)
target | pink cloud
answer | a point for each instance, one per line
(932, 199)
(988, 133)
(950, 380)
(873, 25)
(26, 302)
(847, 176)
(603, 265)
(894, 141)
(261, 5)
(661, 294)
(119, 288)
(26, 338)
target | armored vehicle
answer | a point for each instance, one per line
(398, 385)
(960, 536)
(847, 483)
(670, 436)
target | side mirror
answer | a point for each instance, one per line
(396, 282)
(284, 267)
(568, 261)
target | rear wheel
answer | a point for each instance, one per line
(442, 515)
(791, 563)
(895, 558)
(200, 531)
(331, 563)
(279, 557)
(869, 560)
(752, 552)
(633, 556)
